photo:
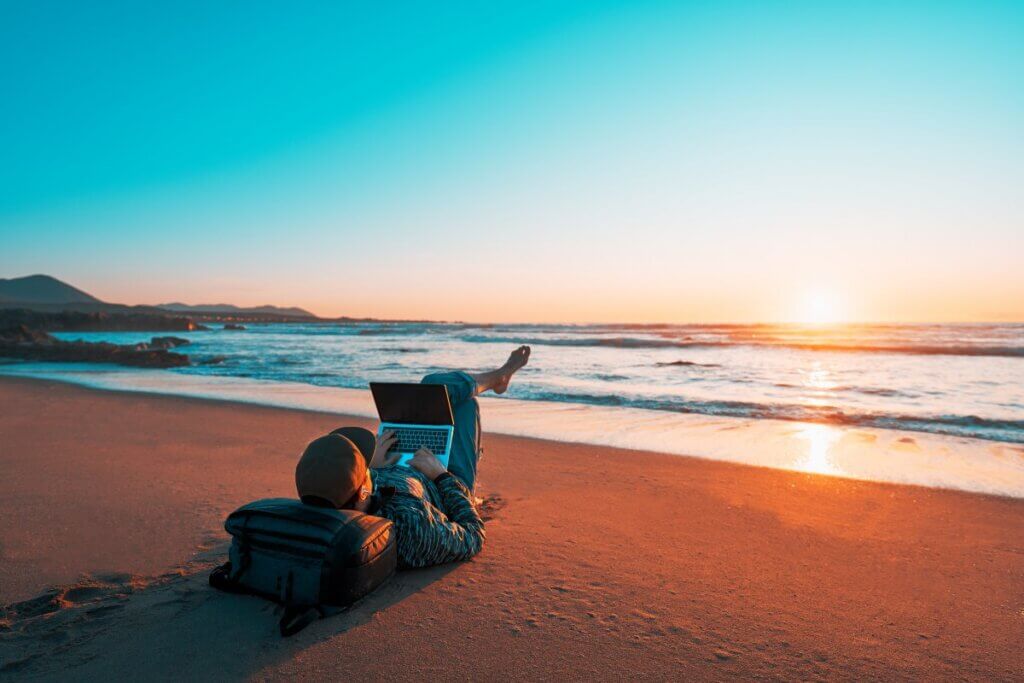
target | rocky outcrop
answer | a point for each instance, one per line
(167, 342)
(23, 335)
(24, 343)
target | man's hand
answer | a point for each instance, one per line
(426, 462)
(380, 452)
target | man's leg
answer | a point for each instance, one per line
(465, 451)
(462, 390)
(497, 380)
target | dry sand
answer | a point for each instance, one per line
(600, 563)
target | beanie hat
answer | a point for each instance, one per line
(331, 468)
(364, 439)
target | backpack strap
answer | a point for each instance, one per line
(221, 579)
(295, 619)
(225, 577)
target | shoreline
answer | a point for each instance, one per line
(600, 562)
(859, 453)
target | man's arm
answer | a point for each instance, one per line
(380, 456)
(431, 535)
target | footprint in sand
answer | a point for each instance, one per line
(488, 506)
(89, 593)
(103, 611)
(42, 604)
(64, 618)
(907, 443)
(85, 593)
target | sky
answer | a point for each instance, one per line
(549, 162)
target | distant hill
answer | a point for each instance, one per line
(48, 294)
(42, 289)
(292, 311)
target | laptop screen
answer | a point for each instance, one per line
(424, 404)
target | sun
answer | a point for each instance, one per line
(819, 307)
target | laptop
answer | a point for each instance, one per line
(420, 415)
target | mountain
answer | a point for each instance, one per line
(292, 311)
(45, 293)
(42, 289)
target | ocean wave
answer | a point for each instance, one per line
(611, 377)
(912, 349)
(839, 388)
(874, 391)
(1005, 341)
(687, 363)
(971, 426)
(390, 330)
(612, 342)
(663, 343)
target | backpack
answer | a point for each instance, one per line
(305, 557)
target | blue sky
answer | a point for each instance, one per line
(526, 161)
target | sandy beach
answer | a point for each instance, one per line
(601, 563)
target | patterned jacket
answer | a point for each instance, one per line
(435, 521)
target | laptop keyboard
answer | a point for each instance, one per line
(410, 440)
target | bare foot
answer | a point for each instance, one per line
(515, 362)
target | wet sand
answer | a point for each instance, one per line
(600, 563)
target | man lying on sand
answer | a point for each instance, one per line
(432, 508)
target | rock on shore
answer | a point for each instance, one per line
(167, 342)
(24, 343)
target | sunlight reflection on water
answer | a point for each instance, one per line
(818, 382)
(820, 439)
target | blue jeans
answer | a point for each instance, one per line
(465, 451)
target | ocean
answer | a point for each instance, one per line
(964, 381)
